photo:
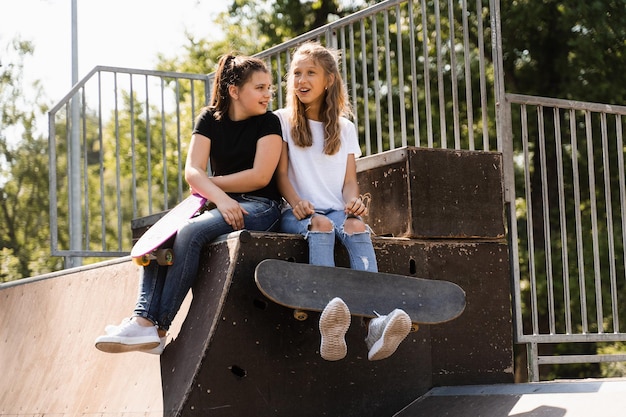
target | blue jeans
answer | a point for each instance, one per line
(322, 244)
(163, 288)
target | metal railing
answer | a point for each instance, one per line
(567, 225)
(116, 153)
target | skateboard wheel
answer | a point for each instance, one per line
(300, 315)
(142, 260)
(414, 327)
(165, 256)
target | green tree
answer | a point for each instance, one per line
(571, 50)
(24, 233)
(566, 49)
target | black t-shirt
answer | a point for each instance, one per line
(233, 144)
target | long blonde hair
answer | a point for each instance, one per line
(334, 105)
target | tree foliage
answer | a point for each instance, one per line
(565, 49)
(24, 216)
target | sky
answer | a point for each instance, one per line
(120, 33)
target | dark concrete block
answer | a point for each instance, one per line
(434, 193)
(477, 347)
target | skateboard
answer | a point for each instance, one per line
(305, 287)
(152, 244)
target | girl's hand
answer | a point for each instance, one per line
(356, 206)
(232, 212)
(303, 209)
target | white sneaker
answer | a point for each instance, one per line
(112, 328)
(386, 333)
(334, 323)
(128, 336)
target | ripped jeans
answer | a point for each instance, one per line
(322, 244)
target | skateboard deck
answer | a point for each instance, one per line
(149, 245)
(305, 287)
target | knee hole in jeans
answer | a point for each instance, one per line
(321, 223)
(352, 226)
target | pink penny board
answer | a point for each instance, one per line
(166, 227)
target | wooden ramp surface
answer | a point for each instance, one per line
(48, 361)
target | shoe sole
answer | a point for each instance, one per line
(395, 332)
(119, 344)
(116, 347)
(334, 324)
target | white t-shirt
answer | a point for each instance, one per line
(315, 176)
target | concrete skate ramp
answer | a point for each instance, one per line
(48, 363)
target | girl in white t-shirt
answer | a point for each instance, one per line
(316, 175)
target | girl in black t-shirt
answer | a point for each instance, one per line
(242, 141)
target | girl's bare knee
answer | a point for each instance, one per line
(353, 225)
(321, 223)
